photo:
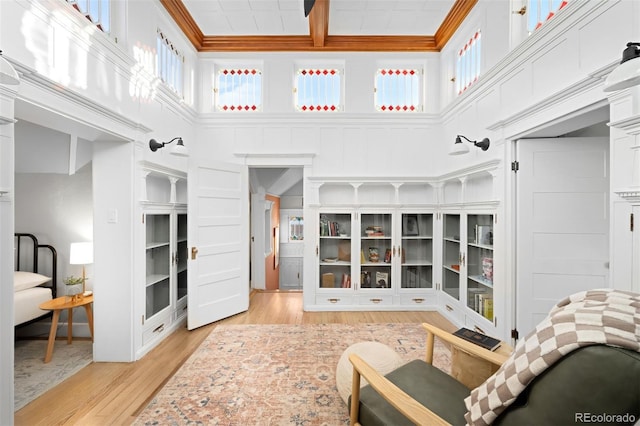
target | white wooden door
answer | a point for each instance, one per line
(218, 284)
(562, 222)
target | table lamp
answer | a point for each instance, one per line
(82, 254)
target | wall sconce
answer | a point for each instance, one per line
(179, 150)
(8, 74)
(308, 5)
(460, 148)
(626, 74)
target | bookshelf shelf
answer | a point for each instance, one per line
(481, 280)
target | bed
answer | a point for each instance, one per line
(30, 287)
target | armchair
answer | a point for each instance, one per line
(594, 380)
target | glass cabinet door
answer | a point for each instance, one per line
(182, 252)
(480, 264)
(158, 262)
(334, 250)
(376, 251)
(417, 251)
(451, 255)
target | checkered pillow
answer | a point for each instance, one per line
(603, 316)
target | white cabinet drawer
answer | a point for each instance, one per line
(156, 329)
(180, 311)
(375, 300)
(418, 300)
(452, 310)
(481, 325)
(336, 300)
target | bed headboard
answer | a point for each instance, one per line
(26, 243)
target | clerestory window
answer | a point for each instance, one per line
(96, 11)
(238, 89)
(169, 64)
(468, 65)
(318, 89)
(540, 11)
(398, 89)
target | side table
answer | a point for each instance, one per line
(59, 304)
(471, 371)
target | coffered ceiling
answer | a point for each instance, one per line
(332, 25)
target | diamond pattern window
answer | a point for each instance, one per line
(468, 66)
(540, 11)
(238, 89)
(398, 90)
(318, 90)
(169, 63)
(96, 11)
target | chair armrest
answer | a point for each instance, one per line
(402, 402)
(468, 347)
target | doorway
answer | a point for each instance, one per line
(562, 221)
(276, 253)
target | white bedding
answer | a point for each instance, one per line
(26, 303)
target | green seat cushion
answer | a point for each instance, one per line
(428, 385)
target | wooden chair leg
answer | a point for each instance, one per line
(355, 397)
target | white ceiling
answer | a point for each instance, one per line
(346, 17)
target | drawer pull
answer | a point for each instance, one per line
(159, 328)
(449, 308)
(375, 300)
(333, 300)
(418, 300)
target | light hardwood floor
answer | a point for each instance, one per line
(114, 393)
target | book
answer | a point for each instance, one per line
(479, 339)
(484, 235)
(487, 308)
(382, 279)
(328, 280)
(346, 281)
(487, 268)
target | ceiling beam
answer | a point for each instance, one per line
(319, 22)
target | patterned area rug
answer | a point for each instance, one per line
(273, 374)
(32, 377)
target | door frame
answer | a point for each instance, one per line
(580, 119)
(302, 160)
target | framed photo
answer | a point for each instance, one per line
(410, 225)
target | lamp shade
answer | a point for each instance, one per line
(627, 74)
(81, 253)
(8, 74)
(180, 150)
(459, 148)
